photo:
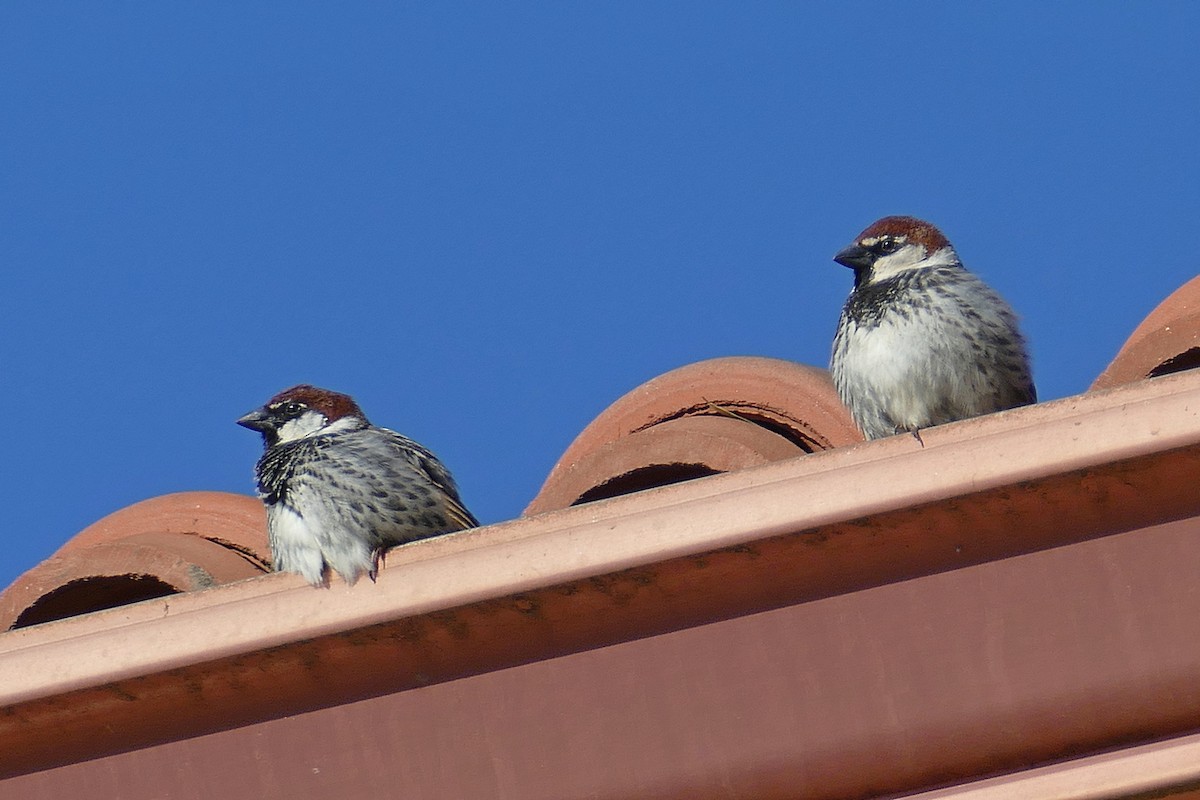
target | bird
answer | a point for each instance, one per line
(340, 491)
(922, 341)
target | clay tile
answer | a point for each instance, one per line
(1167, 341)
(706, 418)
(175, 543)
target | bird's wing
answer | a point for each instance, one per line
(433, 469)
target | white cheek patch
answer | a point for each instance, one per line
(343, 424)
(911, 256)
(306, 424)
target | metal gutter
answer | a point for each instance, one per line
(688, 555)
(1162, 769)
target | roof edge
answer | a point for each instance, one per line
(590, 575)
(1150, 770)
(968, 457)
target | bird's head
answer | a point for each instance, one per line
(893, 245)
(303, 411)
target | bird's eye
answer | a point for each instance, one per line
(289, 409)
(888, 245)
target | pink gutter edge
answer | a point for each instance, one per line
(601, 538)
(1141, 771)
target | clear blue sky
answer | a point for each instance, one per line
(488, 221)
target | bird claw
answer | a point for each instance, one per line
(376, 563)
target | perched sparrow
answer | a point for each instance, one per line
(340, 491)
(922, 341)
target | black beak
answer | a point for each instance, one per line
(856, 257)
(257, 420)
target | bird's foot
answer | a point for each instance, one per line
(376, 563)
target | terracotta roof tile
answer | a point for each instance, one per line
(1167, 341)
(175, 543)
(741, 412)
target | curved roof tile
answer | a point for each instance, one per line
(166, 545)
(1167, 341)
(740, 411)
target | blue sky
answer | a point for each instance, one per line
(488, 221)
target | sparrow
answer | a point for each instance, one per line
(340, 491)
(922, 341)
